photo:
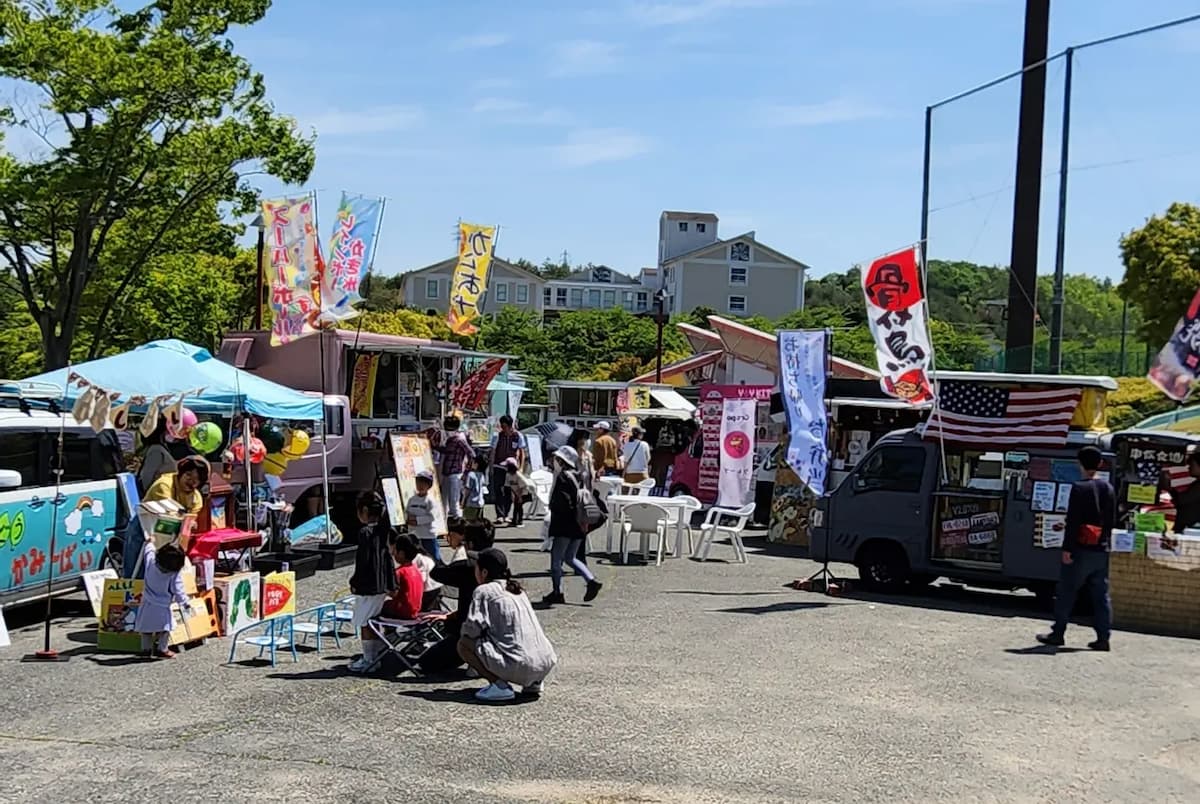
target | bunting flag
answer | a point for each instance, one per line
(1177, 365)
(802, 369)
(350, 248)
(896, 312)
(473, 390)
(295, 267)
(475, 245)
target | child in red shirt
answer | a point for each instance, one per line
(405, 602)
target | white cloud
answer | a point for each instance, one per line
(584, 57)
(372, 120)
(593, 146)
(515, 112)
(73, 522)
(838, 110)
(655, 14)
(480, 41)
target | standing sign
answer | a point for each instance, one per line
(802, 368)
(411, 454)
(292, 240)
(896, 312)
(736, 485)
(469, 283)
(1178, 364)
(712, 399)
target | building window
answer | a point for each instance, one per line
(502, 293)
(610, 299)
(642, 298)
(737, 304)
(577, 298)
(740, 252)
(627, 300)
(701, 227)
(522, 293)
(594, 298)
(683, 226)
(546, 296)
(737, 275)
(431, 288)
(560, 295)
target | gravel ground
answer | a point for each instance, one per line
(683, 683)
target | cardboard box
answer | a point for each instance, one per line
(278, 594)
(238, 601)
(118, 614)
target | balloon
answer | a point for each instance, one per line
(205, 437)
(275, 463)
(257, 451)
(273, 437)
(187, 420)
(298, 445)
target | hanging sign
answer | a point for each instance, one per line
(896, 312)
(1177, 365)
(802, 385)
(293, 259)
(475, 245)
(349, 255)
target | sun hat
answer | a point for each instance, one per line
(567, 455)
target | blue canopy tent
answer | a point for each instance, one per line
(171, 367)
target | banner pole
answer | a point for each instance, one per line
(325, 443)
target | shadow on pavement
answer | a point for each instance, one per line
(1043, 650)
(317, 675)
(123, 661)
(85, 637)
(719, 594)
(774, 608)
(463, 696)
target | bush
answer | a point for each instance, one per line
(1135, 399)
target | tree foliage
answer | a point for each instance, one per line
(1162, 268)
(152, 125)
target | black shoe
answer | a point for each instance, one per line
(553, 599)
(1051, 639)
(1100, 645)
(593, 589)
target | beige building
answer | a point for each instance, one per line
(429, 288)
(736, 276)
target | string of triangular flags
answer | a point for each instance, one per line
(96, 407)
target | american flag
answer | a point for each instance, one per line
(1148, 470)
(974, 413)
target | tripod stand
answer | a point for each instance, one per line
(823, 580)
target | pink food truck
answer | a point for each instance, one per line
(375, 385)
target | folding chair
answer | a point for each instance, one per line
(277, 633)
(319, 621)
(712, 529)
(407, 640)
(646, 520)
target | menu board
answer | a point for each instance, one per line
(969, 527)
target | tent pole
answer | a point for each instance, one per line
(324, 444)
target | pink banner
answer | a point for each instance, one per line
(712, 398)
(735, 486)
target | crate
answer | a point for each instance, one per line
(1158, 591)
(330, 556)
(305, 566)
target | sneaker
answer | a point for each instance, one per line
(593, 589)
(1051, 639)
(554, 599)
(1100, 645)
(532, 690)
(495, 693)
(359, 665)
(472, 672)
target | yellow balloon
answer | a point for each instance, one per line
(275, 463)
(297, 445)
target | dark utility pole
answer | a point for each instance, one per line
(1064, 163)
(1022, 282)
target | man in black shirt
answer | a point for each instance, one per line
(1091, 511)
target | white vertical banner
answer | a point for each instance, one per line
(736, 483)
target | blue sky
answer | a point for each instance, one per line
(573, 125)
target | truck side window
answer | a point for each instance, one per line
(19, 452)
(892, 469)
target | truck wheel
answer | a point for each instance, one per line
(883, 567)
(113, 555)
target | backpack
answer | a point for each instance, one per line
(590, 511)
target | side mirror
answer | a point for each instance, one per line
(860, 483)
(10, 479)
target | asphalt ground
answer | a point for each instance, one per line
(683, 683)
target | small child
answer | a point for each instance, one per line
(518, 486)
(405, 602)
(373, 580)
(476, 489)
(456, 530)
(421, 514)
(431, 590)
(163, 586)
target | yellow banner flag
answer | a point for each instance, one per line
(362, 388)
(475, 244)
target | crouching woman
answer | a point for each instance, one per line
(501, 636)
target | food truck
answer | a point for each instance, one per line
(977, 494)
(1148, 465)
(377, 384)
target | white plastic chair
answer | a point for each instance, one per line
(638, 489)
(688, 505)
(543, 483)
(644, 519)
(712, 528)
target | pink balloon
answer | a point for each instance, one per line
(187, 420)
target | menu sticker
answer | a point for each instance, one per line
(1063, 501)
(1043, 495)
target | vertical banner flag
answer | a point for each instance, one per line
(712, 405)
(1177, 366)
(736, 485)
(473, 390)
(362, 387)
(802, 385)
(896, 312)
(475, 244)
(349, 256)
(292, 240)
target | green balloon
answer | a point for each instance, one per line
(205, 437)
(273, 437)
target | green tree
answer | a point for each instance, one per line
(152, 123)
(1162, 268)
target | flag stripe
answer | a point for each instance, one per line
(974, 413)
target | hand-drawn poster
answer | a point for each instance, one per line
(802, 369)
(411, 454)
(1178, 363)
(895, 306)
(1043, 496)
(1063, 499)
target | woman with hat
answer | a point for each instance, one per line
(502, 639)
(566, 533)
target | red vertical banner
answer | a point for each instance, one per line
(896, 313)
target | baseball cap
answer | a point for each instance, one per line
(425, 474)
(603, 425)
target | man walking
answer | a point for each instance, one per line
(1091, 512)
(507, 443)
(457, 457)
(604, 451)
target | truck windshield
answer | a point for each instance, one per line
(892, 469)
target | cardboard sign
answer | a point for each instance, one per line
(278, 594)
(411, 454)
(238, 601)
(1141, 494)
(1149, 523)
(118, 614)
(93, 584)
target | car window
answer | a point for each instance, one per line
(892, 469)
(19, 452)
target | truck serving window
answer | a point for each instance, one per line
(892, 469)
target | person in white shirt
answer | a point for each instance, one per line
(421, 513)
(635, 457)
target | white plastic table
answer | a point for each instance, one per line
(676, 506)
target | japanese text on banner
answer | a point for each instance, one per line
(475, 244)
(293, 256)
(1177, 366)
(736, 485)
(896, 312)
(349, 256)
(802, 385)
(473, 390)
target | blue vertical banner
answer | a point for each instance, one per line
(350, 249)
(802, 367)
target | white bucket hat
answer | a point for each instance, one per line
(567, 455)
